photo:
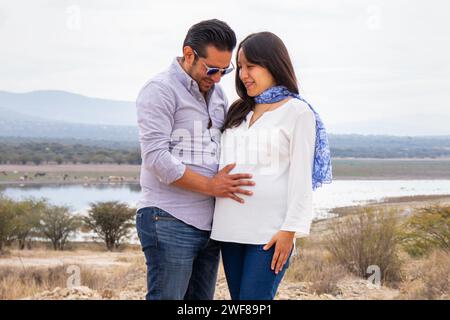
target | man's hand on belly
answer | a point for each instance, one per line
(223, 184)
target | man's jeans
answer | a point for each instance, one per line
(181, 260)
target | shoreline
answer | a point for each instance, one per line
(14, 183)
(106, 174)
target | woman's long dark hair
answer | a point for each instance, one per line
(268, 51)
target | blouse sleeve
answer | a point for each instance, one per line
(301, 152)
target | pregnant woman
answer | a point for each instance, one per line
(274, 134)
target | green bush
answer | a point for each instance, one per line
(427, 229)
(6, 220)
(57, 224)
(111, 221)
(27, 215)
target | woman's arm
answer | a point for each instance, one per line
(301, 150)
(299, 202)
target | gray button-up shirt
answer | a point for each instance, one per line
(178, 128)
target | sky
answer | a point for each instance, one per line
(356, 60)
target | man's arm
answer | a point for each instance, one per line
(222, 184)
(155, 112)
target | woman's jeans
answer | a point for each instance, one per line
(248, 272)
(181, 260)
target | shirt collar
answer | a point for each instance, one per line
(182, 75)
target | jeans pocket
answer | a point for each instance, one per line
(145, 227)
(163, 215)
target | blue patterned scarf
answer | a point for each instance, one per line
(322, 171)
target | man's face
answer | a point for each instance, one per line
(214, 59)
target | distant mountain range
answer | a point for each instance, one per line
(60, 114)
(68, 107)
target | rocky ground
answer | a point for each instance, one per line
(135, 289)
(351, 289)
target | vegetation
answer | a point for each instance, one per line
(28, 220)
(382, 147)
(111, 221)
(315, 267)
(369, 238)
(6, 221)
(18, 283)
(59, 153)
(429, 279)
(57, 224)
(427, 230)
(16, 150)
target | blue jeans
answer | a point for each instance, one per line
(182, 261)
(248, 272)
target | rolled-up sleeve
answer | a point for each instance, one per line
(155, 114)
(301, 149)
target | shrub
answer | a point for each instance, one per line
(426, 230)
(366, 239)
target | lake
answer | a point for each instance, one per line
(339, 193)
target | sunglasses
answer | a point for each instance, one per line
(212, 71)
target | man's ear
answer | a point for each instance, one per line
(188, 55)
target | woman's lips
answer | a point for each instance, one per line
(249, 84)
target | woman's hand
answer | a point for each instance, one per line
(283, 241)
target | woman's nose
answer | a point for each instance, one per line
(243, 74)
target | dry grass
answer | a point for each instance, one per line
(428, 279)
(18, 283)
(69, 248)
(136, 261)
(317, 271)
(313, 266)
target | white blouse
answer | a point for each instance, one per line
(278, 150)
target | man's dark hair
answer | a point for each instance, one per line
(210, 32)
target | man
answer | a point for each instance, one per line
(180, 113)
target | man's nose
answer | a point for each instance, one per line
(216, 77)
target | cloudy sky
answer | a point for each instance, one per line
(357, 60)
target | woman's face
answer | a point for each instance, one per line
(255, 78)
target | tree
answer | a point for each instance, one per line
(111, 221)
(27, 215)
(37, 159)
(57, 224)
(6, 220)
(59, 159)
